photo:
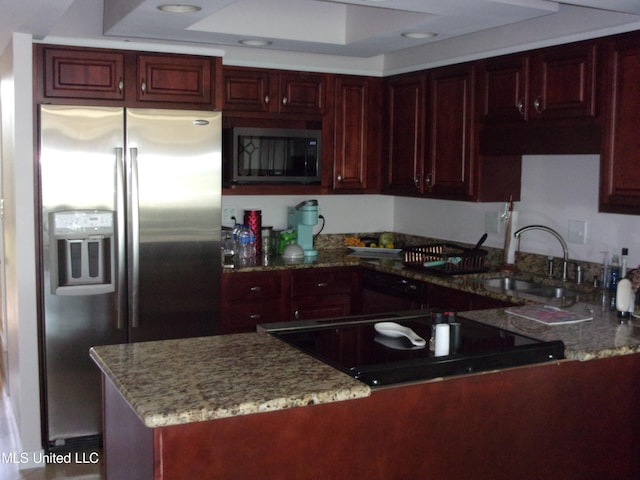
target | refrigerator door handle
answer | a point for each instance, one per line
(134, 237)
(121, 297)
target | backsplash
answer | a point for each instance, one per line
(530, 263)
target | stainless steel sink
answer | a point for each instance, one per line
(548, 291)
(509, 283)
(512, 285)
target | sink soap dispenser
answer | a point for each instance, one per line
(625, 298)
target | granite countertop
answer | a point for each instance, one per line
(173, 382)
(601, 337)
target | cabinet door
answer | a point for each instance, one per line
(405, 119)
(246, 90)
(563, 82)
(82, 73)
(302, 93)
(325, 292)
(447, 298)
(329, 306)
(503, 89)
(356, 135)
(174, 78)
(448, 171)
(620, 175)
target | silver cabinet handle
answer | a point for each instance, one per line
(520, 106)
(143, 86)
(429, 180)
(121, 298)
(254, 316)
(121, 85)
(255, 289)
(416, 181)
(266, 99)
(339, 178)
(323, 284)
(537, 104)
(134, 237)
(296, 315)
(285, 100)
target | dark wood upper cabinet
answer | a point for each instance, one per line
(405, 138)
(273, 91)
(553, 83)
(450, 139)
(357, 113)
(504, 89)
(112, 77)
(620, 169)
(302, 92)
(246, 89)
(80, 73)
(171, 78)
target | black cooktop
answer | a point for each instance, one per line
(356, 348)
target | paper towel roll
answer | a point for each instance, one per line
(512, 227)
(442, 339)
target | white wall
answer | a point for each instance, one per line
(343, 213)
(20, 269)
(555, 189)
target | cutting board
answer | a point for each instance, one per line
(549, 315)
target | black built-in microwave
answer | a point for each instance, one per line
(272, 155)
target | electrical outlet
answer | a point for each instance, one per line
(229, 216)
(577, 232)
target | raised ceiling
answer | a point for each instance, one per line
(358, 29)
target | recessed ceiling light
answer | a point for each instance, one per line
(178, 8)
(255, 43)
(419, 35)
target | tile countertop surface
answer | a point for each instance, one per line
(174, 382)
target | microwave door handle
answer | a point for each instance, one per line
(133, 237)
(121, 295)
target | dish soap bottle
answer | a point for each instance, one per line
(614, 276)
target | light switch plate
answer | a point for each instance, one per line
(577, 232)
(492, 222)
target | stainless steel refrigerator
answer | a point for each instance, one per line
(130, 230)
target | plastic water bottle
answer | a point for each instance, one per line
(246, 243)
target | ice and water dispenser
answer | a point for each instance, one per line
(82, 252)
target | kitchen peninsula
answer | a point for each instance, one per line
(250, 406)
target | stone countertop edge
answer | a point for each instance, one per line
(173, 382)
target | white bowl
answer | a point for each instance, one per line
(293, 251)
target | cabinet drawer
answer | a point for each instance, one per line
(324, 306)
(243, 317)
(250, 286)
(320, 281)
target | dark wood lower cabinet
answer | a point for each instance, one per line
(459, 300)
(569, 420)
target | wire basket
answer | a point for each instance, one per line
(457, 259)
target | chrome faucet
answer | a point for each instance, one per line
(565, 250)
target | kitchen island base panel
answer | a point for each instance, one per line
(568, 420)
